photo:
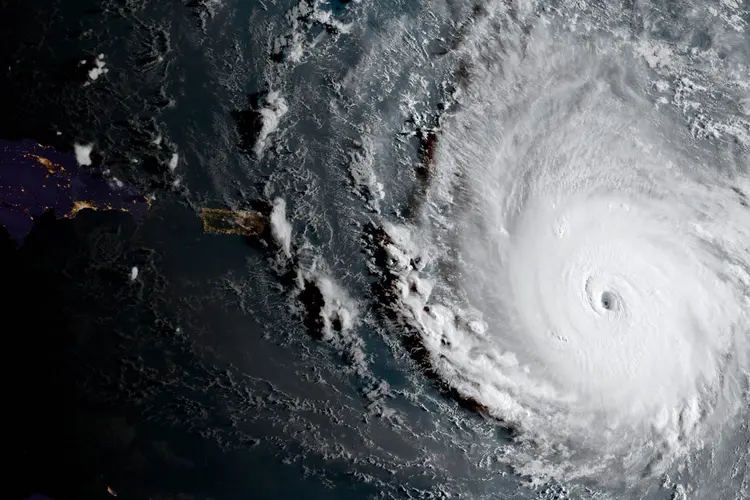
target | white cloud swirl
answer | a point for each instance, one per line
(588, 264)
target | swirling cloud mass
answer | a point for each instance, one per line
(580, 265)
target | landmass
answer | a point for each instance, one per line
(35, 179)
(237, 222)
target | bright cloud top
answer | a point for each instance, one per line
(587, 275)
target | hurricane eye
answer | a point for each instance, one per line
(609, 301)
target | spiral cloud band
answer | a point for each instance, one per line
(580, 267)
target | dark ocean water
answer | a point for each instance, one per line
(109, 381)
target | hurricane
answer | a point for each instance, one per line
(578, 264)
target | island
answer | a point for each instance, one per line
(35, 179)
(236, 222)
